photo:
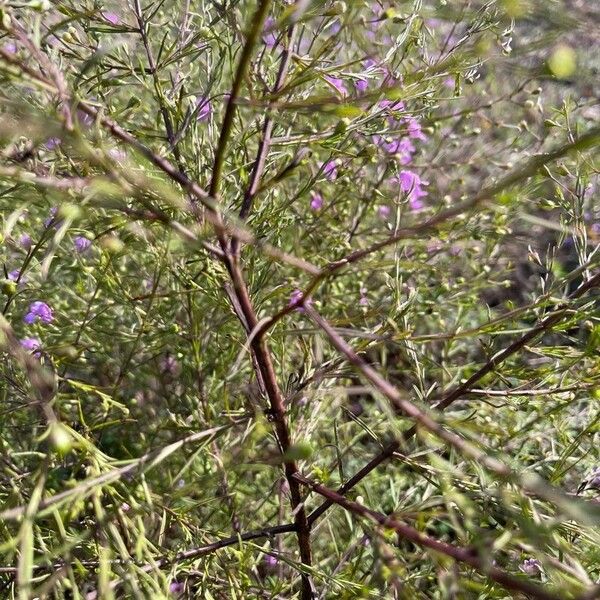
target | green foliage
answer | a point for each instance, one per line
(249, 243)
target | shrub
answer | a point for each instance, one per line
(299, 299)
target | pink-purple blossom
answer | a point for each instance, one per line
(169, 365)
(117, 154)
(31, 344)
(204, 109)
(297, 299)
(594, 479)
(270, 561)
(338, 84)
(330, 170)
(15, 275)
(391, 104)
(39, 311)
(176, 587)
(269, 36)
(52, 215)
(531, 566)
(25, 241)
(10, 47)
(111, 17)
(361, 85)
(52, 143)
(411, 183)
(383, 211)
(316, 201)
(402, 147)
(414, 129)
(82, 244)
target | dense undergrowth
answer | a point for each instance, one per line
(262, 256)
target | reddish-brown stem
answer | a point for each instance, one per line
(546, 324)
(469, 556)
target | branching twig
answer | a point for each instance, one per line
(469, 556)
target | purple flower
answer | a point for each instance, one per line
(204, 109)
(594, 479)
(39, 310)
(48, 221)
(52, 143)
(176, 587)
(270, 561)
(330, 170)
(269, 37)
(414, 129)
(364, 301)
(370, 63)
(449, 82)
(31, 344)
(596, 228)
(383, 211)
(361, 85)
(338, 84)
(117, 154)
(411, 184)
(10, 47)
(316, 201)
(111, 17)
(391, 104)
(403, 147)
(85, 119)
(82, 244)
(296, 297)
(25, 241)
(531, 566)
(15, 275)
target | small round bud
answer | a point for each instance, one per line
(9, 288)
(60, 439)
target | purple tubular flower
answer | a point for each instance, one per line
(383, 211)
(52, 143)
(269, 37)
(403, 147)
(31, 344)
(51, 216)
(39, 311)
(25, 241)
(414, 129)
(176, 587)
(82, 244)
(316, 201)
(204, 109)
(411, 184)
(84, 119)
(10, 47)
(330, 170)
(338, 84)
(111, 17)
(296, 297)
(391, 104)
(531, 566)
(15, 275)
(361, 85)
(270, 561)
